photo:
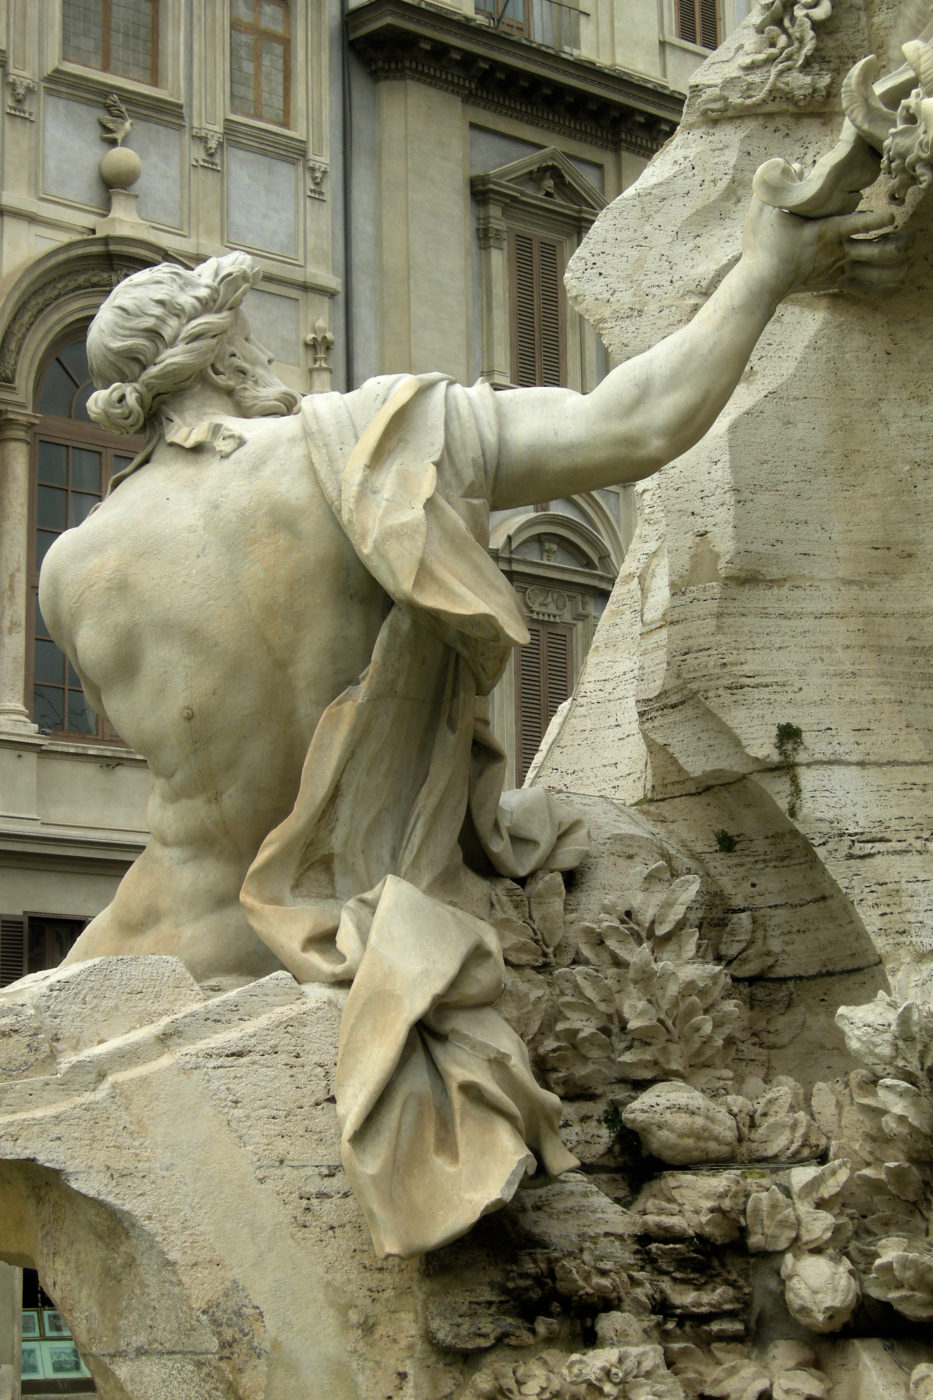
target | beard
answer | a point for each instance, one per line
(257, 397)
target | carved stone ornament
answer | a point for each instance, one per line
(548, 604)
(321, 342)
(207, 148)
(19, 92)
(773, 65)
(491, 236)
(318, 171)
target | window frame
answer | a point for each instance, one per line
(288, 100)
(70, 433)
(106, 27)
(519, 25)
(504, 205)
(700, 33)
(158, 101)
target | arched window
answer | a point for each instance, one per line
(73, 462)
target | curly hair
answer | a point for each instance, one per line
(157, 331)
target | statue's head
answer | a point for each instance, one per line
(162, 329)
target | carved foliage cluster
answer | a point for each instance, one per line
(605, 1373)
(648, 1005)
(887, 1117)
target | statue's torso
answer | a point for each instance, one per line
(214, 608)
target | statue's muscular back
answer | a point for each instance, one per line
(213, 608)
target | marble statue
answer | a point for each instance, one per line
(287, 607)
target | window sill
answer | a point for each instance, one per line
(265, 137)
(72, 80)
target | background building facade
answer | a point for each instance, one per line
(412, 178)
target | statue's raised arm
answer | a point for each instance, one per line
(654, 407)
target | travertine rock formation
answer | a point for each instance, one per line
(762, 673)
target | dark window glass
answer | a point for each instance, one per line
(52, 508)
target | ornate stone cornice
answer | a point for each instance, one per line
(513, 76)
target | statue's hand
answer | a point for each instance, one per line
(795, 254)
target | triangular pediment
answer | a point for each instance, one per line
(548, 174)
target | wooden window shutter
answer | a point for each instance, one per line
(12, 948)
(536, 297)
(544, 679)
(698, 22)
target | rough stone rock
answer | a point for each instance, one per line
(179, 1187)
(778, 575)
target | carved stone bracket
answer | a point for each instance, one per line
(548, 604)
(491, 236)
(207, 149)
(318, 170)
(19, 91)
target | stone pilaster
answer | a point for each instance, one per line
(16, 428)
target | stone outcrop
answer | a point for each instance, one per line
(761, 674)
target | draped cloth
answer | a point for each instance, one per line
(439, 1112)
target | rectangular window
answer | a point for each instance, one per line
(114, 36)
(698, 22)
(543, 681)
(510, 16)
(260, 59)
(536, 304)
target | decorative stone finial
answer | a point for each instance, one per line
(120, 167)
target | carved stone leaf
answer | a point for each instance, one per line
(902, 1275)
(881, 1212)
(800, 1384)
(739, 1380)
(904, 1181)
(679, 946)
(622, 946)
(641, 1020)
(545, 893)
(921, 1382)
(646, 900)
(909, 1115)
(584, 992)
(812, 1185)
(771, 1221)
(815, 1227)
(519, 946)
(781, 1130)
(891, 1040)
(674, 904)
(821, 1290)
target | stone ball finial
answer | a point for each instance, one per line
(120, 167)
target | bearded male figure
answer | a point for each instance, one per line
(287, 607)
